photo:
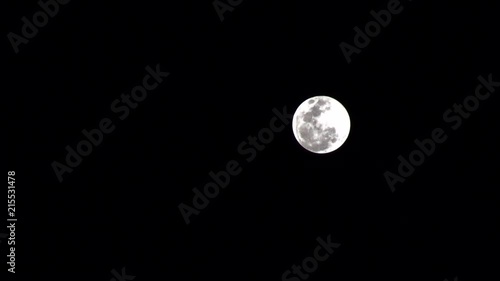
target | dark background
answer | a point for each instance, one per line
(119, 208)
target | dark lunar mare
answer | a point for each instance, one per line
(316, 138)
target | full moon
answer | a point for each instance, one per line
(321, 124)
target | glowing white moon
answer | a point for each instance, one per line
(321, 124)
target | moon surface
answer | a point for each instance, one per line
(321, 124)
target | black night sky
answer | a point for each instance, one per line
(122, 115)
